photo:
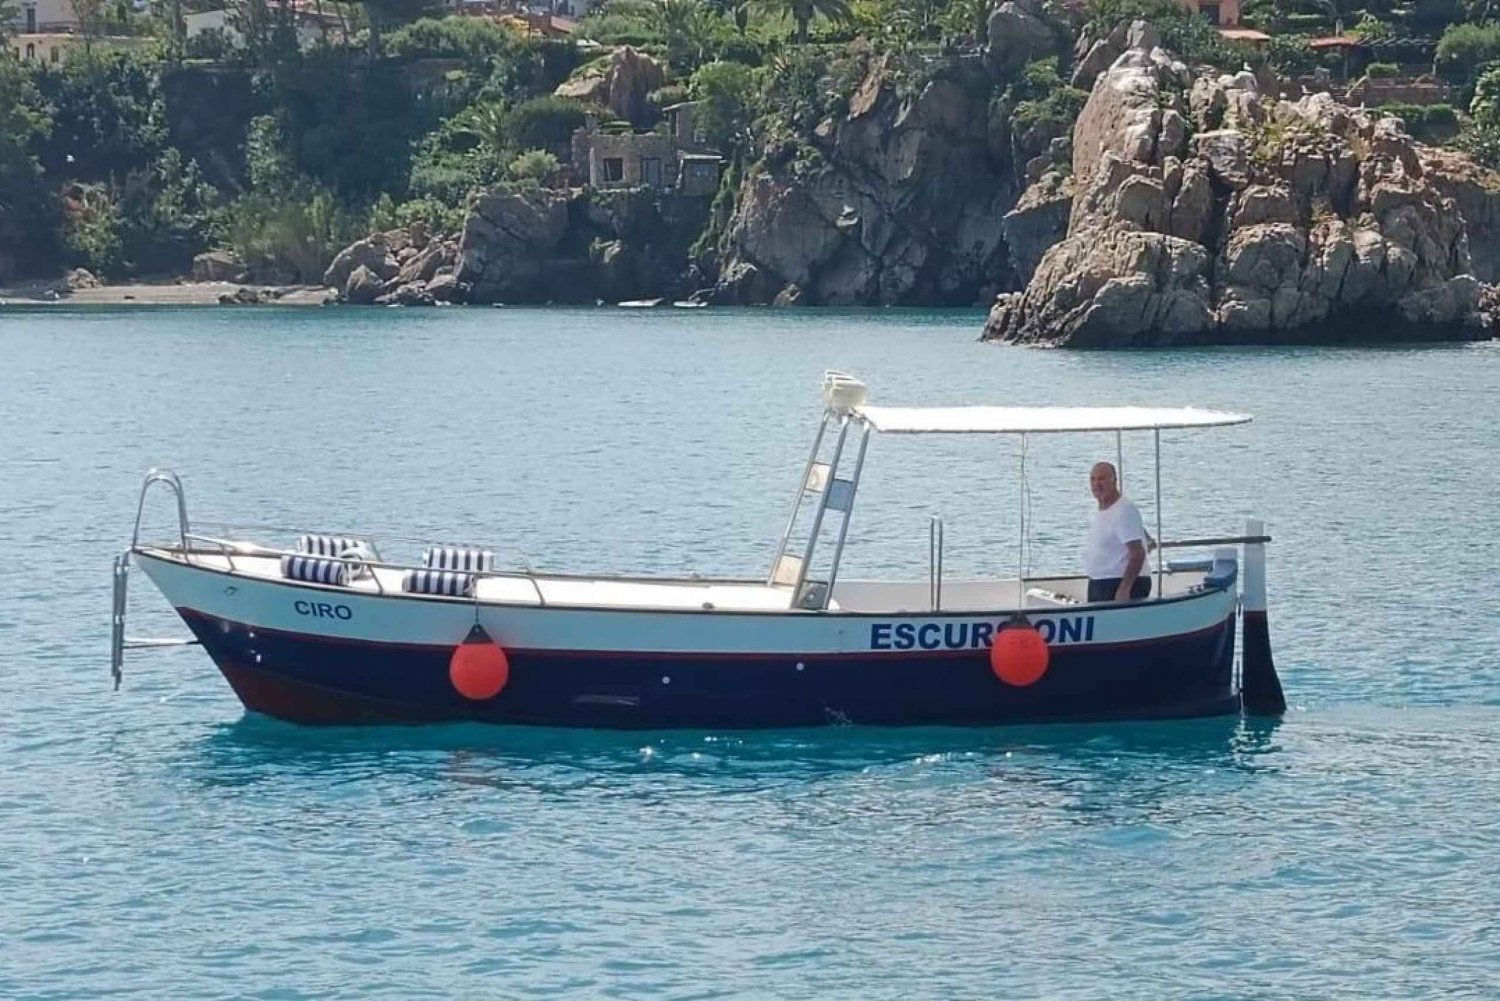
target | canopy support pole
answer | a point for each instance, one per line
(1120, 459)
(1157, 435)
(1021, 545)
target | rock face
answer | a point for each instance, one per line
(575, 246)
(1039, 220)
(899, 201)
(402, 267)
(622, 86)
(1274, 221)
(1016, 33)
(1476, 192)
(218, 266)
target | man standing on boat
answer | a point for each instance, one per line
(1116, 549)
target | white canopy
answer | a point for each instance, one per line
(1039, 420)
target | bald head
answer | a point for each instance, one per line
(1104, 484)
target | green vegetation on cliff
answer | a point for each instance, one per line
(131, 155)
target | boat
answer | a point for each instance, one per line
(323, 629)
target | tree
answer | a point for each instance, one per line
(382, 14)
(1485, 108)
(803, 11)
(687, 27)
(726, 93)
(916, 20)
(1464, 48)
(27, 219)
(486, 123)
(90, 15)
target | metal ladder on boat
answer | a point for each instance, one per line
(118, 641)
(826, 498)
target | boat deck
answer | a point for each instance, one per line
(708, 595)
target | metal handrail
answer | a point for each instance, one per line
(1227, 540)
(935, 563)
(173, 481)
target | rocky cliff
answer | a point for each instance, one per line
(577, 246)
(1204, 211)
(899, 200)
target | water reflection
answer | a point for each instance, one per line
(254, 748)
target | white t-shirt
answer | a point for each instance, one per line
(1112, 529)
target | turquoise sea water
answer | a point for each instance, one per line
(157, 843)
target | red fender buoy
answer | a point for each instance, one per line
(478, 668)
(1019, 655)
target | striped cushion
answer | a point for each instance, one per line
(315, 570)
(328, 545)
(449, 582)
(458, 558)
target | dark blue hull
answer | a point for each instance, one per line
(310, 679)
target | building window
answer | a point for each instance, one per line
(1210, 12)
(31, 20)
(651, 171)
(30, 51)
(614, 169)
(54, 53)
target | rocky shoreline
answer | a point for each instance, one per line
(1184, 206)
(1208, 212)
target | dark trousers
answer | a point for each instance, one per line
(1104, 589)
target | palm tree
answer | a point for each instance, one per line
(803, 11)
(688, 28)
(487, 124)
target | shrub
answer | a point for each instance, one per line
(91, 230)
(533, 165)
(1464, 48)
(665, 97)
(544, 123)
(1444, 115)
(1290, 55)
(436, 216)
(1382, 71)
(1429, 123)
(727, 92)
(1485, 107)
(1373, 30)
(297, 232)
(473, 40)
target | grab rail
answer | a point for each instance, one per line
(174, 482)
(935, 563)
(1226, 540)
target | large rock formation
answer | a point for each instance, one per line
(1476, 192)
(1205, 212)
(622, 85)
(404, 267)
(1017, 32)
(900, 200)
(575, 246)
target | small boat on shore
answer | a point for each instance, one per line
(325, 629)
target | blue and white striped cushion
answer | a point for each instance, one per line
(328, 545)
(448, 582)
(458, 558)
(315, 570)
